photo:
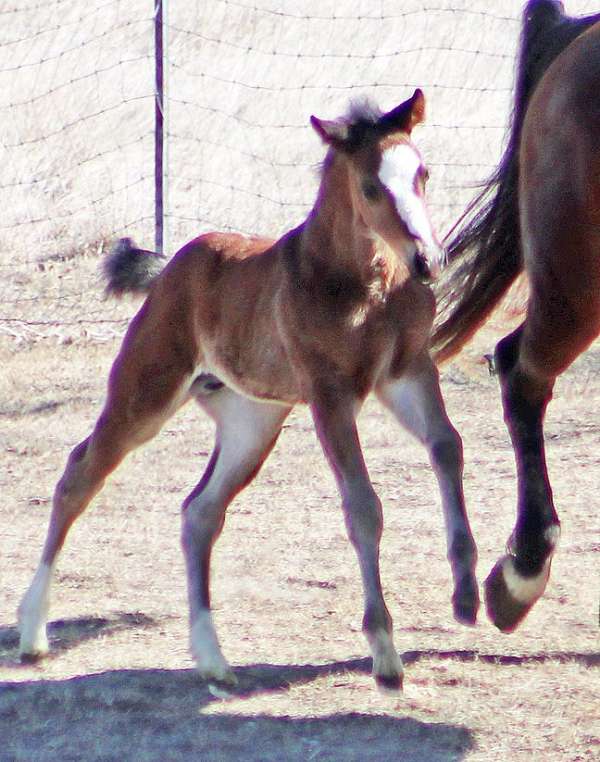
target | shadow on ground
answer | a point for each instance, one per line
(64, 634)
(168, 714)
(162, 714)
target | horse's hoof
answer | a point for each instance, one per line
(389, 684)
(387, 663)
(33, 647)
(465, 602)
(222, 678)
(32, 658)
(224, 687)
(510, 596)
(465, 612)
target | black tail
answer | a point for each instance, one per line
(128, 269)
(485, 243)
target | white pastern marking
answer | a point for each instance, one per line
(386, 661)
(206, 650)
(33, 612)
(524, 589)
(552, 535)
(398, 172)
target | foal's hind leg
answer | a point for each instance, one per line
(246, 431)
(334, 416)
(416, 401)
(135, 410)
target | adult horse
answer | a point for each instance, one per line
(539, 213)
(251, 327)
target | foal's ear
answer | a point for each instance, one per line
(335, 134)
(405, 116)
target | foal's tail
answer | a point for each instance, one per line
(485, 244)
(128, 269)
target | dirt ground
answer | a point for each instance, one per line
(120, 684)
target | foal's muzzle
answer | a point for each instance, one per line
(426, 268)
(421, 268)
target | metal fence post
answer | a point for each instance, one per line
(160, 127)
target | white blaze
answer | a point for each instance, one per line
(398, 172)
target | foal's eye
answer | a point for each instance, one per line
(370, 190)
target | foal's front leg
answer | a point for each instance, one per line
(416, 401)
(336, 427)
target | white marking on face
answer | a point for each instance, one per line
(398, 172)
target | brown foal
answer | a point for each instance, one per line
(335, 309)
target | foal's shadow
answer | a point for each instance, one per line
(154, 714)
(64, 634)
(157, 714)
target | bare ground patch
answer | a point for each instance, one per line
(120, 684)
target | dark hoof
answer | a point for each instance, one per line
(465, 602)
(31, 658)
(503, 609)
(389, 683)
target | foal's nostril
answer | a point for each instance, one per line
(421, 267)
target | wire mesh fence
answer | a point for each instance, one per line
(77, 106)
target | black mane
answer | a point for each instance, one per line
(363, 111)
(361, 118)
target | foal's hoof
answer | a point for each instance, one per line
(465, 602)
(387, 664)
(221, 679)
(33, 647)
(389, 684)
(509, 596)
(31, 658)
(223, 688)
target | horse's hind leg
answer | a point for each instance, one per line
(519, 578)
(133, 413)
(416, 401)
(559, 222)
(558, 328)
(246, 431)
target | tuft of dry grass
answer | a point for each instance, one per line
(287, 591)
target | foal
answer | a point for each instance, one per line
(251, 327)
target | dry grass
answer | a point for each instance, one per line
(120, 684)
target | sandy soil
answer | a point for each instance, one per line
(120, 683)
(76, 108)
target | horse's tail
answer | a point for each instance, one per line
(128, 269)
(485, 244)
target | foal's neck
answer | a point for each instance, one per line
(334, 229)
(336, 234)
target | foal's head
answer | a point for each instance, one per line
(387, 179)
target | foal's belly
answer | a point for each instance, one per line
(262, 373)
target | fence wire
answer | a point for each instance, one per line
(77, 102)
